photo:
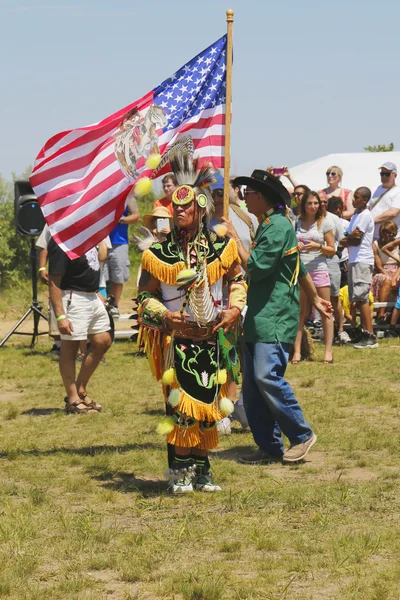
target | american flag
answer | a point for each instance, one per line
(82, 177)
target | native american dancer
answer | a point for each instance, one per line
(190, 340)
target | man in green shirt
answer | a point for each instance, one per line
(275, 271)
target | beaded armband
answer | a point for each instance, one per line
(151, 311)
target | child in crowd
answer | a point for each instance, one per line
(350, 308)
(358, 239)
(396, 311)
(387, 261)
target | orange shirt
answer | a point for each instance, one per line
(165, 203)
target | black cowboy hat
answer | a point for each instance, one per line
(267, 184)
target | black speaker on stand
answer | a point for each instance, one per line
(29, 221)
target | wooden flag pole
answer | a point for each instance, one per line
(227, 168)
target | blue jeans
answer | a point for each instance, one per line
(270, 404)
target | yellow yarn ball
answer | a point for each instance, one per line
(143, 187)
(174, 398)
(222, 377)
(153, 161)
(168, 377)
(226, 407)
(165, 426)
(220, 229)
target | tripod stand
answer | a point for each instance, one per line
(34, 308)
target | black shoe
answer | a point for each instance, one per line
(368, 340)
(392, 333)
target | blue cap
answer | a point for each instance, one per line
(219, 182)
(389, 166)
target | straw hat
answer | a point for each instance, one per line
(160, 212)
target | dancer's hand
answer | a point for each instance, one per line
(228, 319)
(175, 320)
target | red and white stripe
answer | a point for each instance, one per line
(81, 187)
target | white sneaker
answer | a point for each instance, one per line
(224, 426)
(180, 486)
(344, 337)
(205, 483)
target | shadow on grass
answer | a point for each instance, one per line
(42, 412)
(153, 412)
(233, 453)
(86, 451)
(127, 483)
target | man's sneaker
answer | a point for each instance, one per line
(205, 483)
(224, 426)
(180, 486)
(297, 452)
(260, 457)
(368, 340)
(344, 337)
(392, 333)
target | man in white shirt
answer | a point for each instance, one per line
(358, 239)
(385, 202)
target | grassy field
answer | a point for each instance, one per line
(85, 514)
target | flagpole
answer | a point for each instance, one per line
(227, 168)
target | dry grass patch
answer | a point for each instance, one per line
(85, 515)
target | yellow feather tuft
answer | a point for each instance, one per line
(226, 407)
(220, 229)
(153, 161)
(174, 398)
(168, 377)
(222, 377)
(165, 426)
(143, 187)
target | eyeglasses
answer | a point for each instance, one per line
(331, 173)
(386, 173)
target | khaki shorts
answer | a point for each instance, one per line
(87, 314)
(116, 267)
(359, 277)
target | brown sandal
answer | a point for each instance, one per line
(77, 407)
(88, 402)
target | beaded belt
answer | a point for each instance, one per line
(192, 331)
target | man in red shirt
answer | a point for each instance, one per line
(169, 186)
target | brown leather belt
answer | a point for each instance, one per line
(191, 331)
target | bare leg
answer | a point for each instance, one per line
(327, 324)
(384, 294)
(366, 317)
(395, 316)
(304, 312)
(116, 291)
(68, 352)
(99, 344)
(337, 312)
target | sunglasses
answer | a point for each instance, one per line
(218, 192)
(386, 173)
(298, 194)
(331, 173)
(250, 192)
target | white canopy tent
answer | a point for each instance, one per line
(359, 168)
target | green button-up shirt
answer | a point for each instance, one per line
(273, 298)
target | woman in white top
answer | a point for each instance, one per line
(316, 242)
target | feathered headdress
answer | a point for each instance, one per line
(188, 175)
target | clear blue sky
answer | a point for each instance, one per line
(310, 78)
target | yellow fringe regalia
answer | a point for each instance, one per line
(193, 370)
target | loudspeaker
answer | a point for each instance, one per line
(29, 219)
